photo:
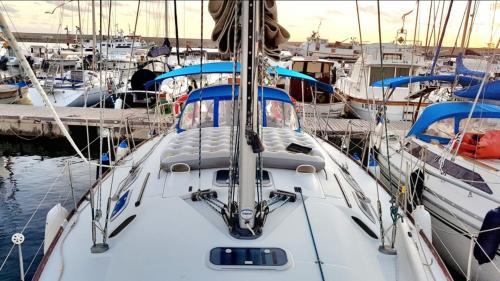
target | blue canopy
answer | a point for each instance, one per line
(461, 69)
(491, 91)
(227, 67)
(224, 92)
(456, 110)
(403, 80)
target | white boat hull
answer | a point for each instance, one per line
(69, 97)
(455, 214)
(332, 110)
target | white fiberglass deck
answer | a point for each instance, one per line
(171, 236)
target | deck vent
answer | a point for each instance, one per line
(258, 258)
(365, 227)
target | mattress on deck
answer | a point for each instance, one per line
(215, 143)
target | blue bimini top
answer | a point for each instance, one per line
(228, 67)
(457, 110)
(225, 93)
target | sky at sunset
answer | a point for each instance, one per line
(338, 18)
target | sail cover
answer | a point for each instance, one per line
(404, 80)
(223, 33)
(461, 69)
(491, 91)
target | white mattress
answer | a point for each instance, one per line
(183, 148)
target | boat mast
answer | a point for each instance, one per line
(249, 143)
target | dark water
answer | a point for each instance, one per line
(28, 169)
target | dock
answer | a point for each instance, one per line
(27, 121)
(355, 127)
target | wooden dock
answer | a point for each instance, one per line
(34, 121)
(356, 127)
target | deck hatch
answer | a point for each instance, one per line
(248, 257)
(222, 178)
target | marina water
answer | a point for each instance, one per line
(29, 171)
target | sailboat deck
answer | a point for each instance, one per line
(172, 236)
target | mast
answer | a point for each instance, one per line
(249, 143)
(94, 38)
(464, 34)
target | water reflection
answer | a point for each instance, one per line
(29, 171)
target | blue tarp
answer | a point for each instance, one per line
(461, 69)
(403, 80)
(444, 110)
(491, 91)
(227, 67)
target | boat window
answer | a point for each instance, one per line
(190, 118)
(480, 125)
(376, 73)
(225, 113)
(281, 115)
(392, 56)
(326, 68)
(442, 128)
(402, 71)
(313, 67)
(298, 66)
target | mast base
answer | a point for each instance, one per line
(243, 233)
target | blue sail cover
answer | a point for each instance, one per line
(457, 110)
(227, 67)
(491, 91)
(461, 69)
(403, 80)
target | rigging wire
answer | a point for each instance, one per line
(128, 75)
(428, 26)
(474, 14)
(467, 16)
(458, 34)
(438, 49)
(233, 145)
(493, 23)
(365, 74)
(394, 206)
(200, 99)
(176, 33)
